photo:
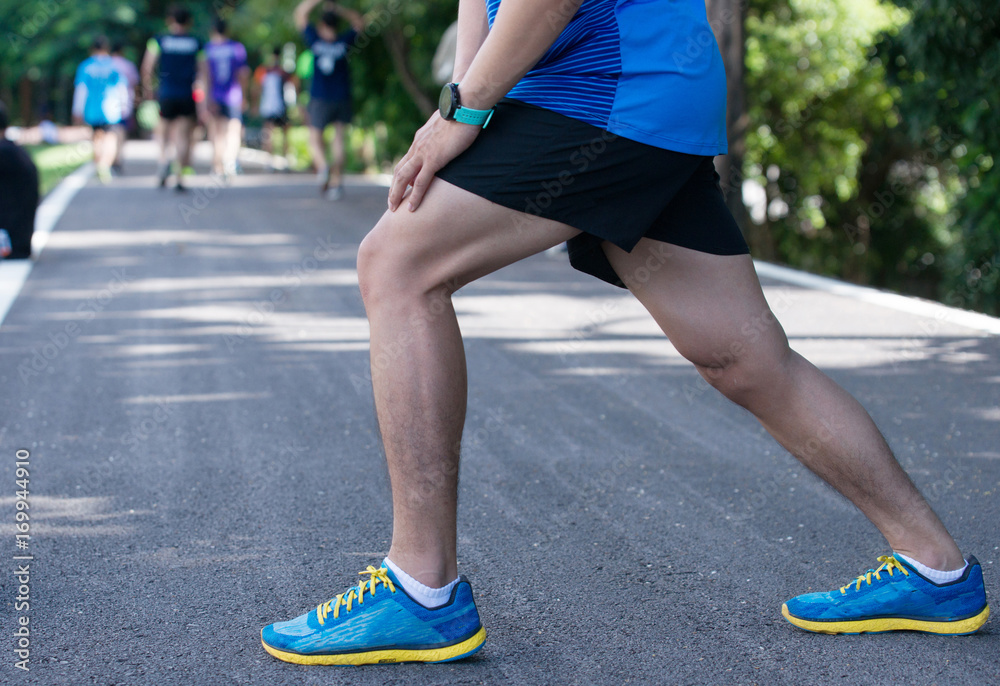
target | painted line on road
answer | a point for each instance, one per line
(893, 301)
(13, 273)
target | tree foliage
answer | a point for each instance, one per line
(945, 63)
(822, 138)
(870, 142)
(45, 41)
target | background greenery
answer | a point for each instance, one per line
(872, 125)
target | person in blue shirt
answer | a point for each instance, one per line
(99, 100)
(181, 64)
(594, 122)
(330, 93)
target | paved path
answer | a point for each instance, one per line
(189, 375)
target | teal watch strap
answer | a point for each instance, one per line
(467, 115)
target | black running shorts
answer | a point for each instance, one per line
(172, 108)
(611, 188)
(322, 113)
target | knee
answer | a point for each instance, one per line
(373, 269)
(393, 272)
(744, 374)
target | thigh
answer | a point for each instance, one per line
(710, 306)
(455, 237)
(339, 131)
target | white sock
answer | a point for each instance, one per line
(935, 575)
(425, 595)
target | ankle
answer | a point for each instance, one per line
(942, 560)
(431, 571)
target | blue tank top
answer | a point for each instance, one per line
(178, 63)
(647, 70)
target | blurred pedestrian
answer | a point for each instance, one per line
(99, 101)
(181, 62)
(127, 69)
(272, 80)
(18, 196)
(228, 76)
(330, 93)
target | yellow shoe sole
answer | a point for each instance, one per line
(962, 626)
(372, 657)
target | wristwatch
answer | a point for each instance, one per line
(452, 110)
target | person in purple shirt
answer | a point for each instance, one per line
(228, 75)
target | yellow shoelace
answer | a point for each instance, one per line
(376, 577)
(889, 563)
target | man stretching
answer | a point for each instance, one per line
(553, 78)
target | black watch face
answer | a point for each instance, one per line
(446, 103)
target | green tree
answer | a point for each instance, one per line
(946, 64)
(821, 141)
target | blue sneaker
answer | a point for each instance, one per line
(895, 597)
(375, 622)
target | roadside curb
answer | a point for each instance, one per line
(892, 301)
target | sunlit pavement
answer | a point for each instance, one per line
(189, 375)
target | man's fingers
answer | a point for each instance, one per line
(401, 178)
(420, 185)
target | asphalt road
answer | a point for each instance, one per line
(189, 376)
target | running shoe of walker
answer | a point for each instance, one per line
(377, 622)
(895, 597)
(164, 174)
(323, 177)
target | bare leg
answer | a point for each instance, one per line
(163, 133)
(97, 143)
(408, 267)
(217, 132)
(234, 138)
(337, 154)
(121, 134)
(714, 312)
(109, 148)
(183, 129)
(266, 141)
(284, 141)
(316, 149)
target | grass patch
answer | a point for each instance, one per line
(56, 162)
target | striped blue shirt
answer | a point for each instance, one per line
(647, 70)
